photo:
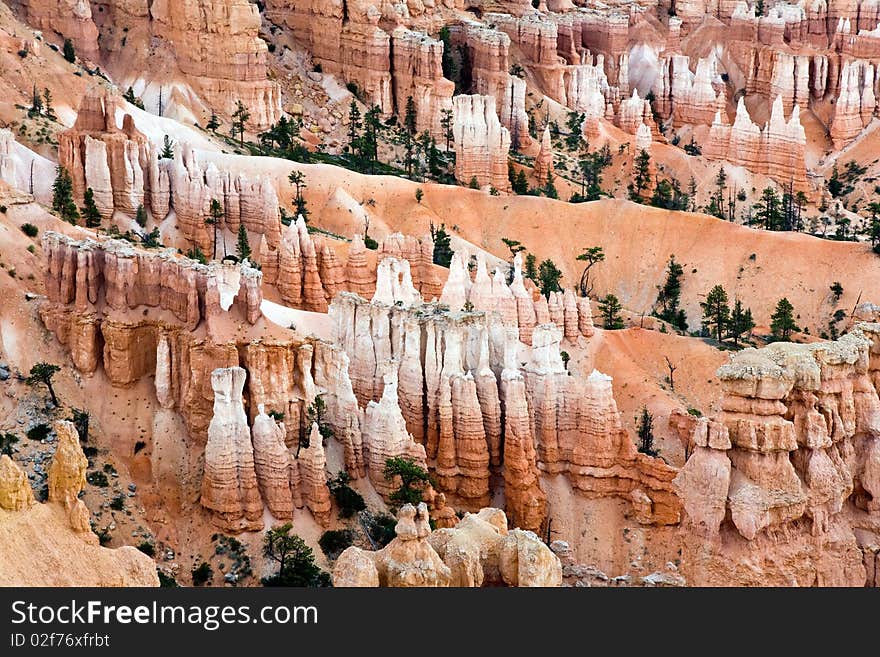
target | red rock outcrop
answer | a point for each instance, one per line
(114, 163)
(798, 451)
(478, 551)
(481, 142)
(312, 466)
(271, 464)
(688, 98)
(544, 161)
(15, 489)
(229, 486)
(417, 73)
(71, 19)
(777, 150)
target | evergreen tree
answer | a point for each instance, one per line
(646, 432)
(474, 183)
(131, 98)
(167, 152)
(520, 183)
(141, 216)
(69, 52)
(442, 246)
(355, 125)
(835, 184)
(874, 226)
(89, 210)
(669, 294)
(549, 188)
(36, 107)
(549, 276)
(409, 125)
(782, 322)
(642, 175)
(716, 312)
(213, 219)
(298, 179)
(296, 561)
(446, 123)
(592, 256)
(372, 130)
(768, 210)
(243, 246)
(213, 122)
(62, 196)
(47, 105)
(740, 322)
(716, 201)
(42, 373)
(609, 308)
(240, 117)
(530, 269)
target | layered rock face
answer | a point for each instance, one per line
(776, 486)
(777, 150)
(71, 19)
(125, 172)
(450, 384)
(113, 163)
(188, 187)
(478, 551)
(686, 97)
(417, 72)
(53, 544)
(481, 142)
(229, 486)
(307, 272)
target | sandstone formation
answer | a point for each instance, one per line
(312, 465)
(689, 97)
(481, 142)
(777, 150)
(271, 464)
(113, 163)
(15, 490)
(768, 499)
(70, 19)
(478, 551)
(67, 472)
(229, 486)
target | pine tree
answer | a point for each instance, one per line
(530, 269)
(740, 322)
(213, 122)
(36, 107)
(549, 188)
(372, 129)
(298, 179)
(409, 124)
(167, 148)
(642, 175)
(669, 294)
(62, 196)
(355, 125)
(782, 323)
(243, 247)
(442, 246)
(239, 119)
(89, 210)
(47, 105)
(520, 183)
(213, 219)
(446, 123)
(549, 276)
(768, 210)
(609, 308)
(141, 216)
(716, 312)
(131, 98)
(69, 52)
(646, 432)
(592, 256)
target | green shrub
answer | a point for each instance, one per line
(147, 548)
(347, 499)
(118, 503)
(39, 431)
(98, 479)
(202, 574)
(166, 581)
(380, 527)
(334, 541)
(296, 560)
(30, 230)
